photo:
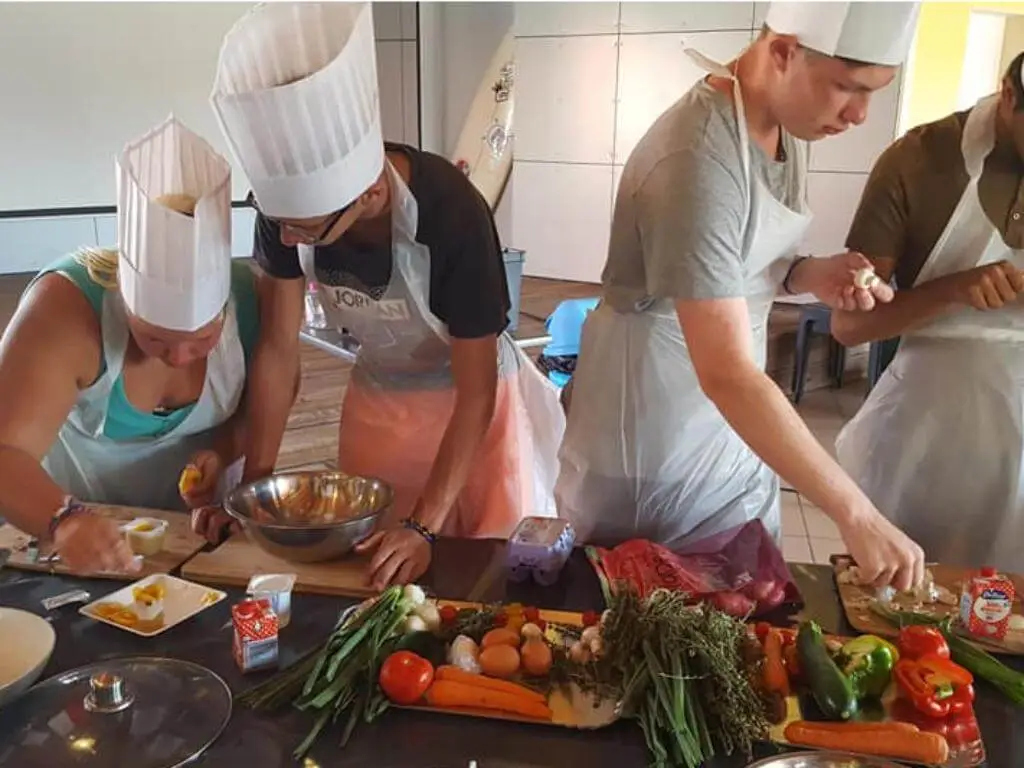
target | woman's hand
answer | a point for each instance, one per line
(834, 281)
(400, 556)
(200, 479)
(89, 543)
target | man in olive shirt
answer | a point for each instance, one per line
(938, 446)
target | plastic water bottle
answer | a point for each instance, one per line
(315, 317)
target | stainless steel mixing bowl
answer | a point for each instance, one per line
(309, 517)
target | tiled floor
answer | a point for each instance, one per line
(808, 535)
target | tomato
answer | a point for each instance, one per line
(541, 624)
(532, 615)
(448, 614)
(501, 619)
(916, 641)
(405, 677)
(591, 619)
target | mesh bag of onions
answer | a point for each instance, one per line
(740, 571)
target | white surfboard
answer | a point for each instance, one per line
(484, 149)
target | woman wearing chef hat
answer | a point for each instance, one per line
(441, 404)
(121, 367)
(676, 432)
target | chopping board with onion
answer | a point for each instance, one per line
(939, 597)
(179, 545)
(235, 561)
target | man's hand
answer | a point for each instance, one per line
(88, 543)
(834, 281)
(884, 554)
(402, 556)
(988, 287)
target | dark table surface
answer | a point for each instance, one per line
(402, 739)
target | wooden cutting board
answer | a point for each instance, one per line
(856, 602)
(179, 545)
(235, 561)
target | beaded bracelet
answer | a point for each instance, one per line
(789, 274)
(69, 508)
(422, 530)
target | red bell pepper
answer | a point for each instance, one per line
(937, 687)
(917, 640)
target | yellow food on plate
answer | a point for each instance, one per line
(150, 594)
(190, 478)
(501, 661)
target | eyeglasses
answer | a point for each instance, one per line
(304, 235)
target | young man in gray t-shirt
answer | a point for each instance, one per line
(675, 431)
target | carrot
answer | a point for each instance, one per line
(895, 743)
(446, 694)
(858, 726)
(792, 661)
(775, 678)
(455, 675)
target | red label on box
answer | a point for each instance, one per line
(255, 634)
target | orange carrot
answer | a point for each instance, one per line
(447, 694)
(895, 743)
(456, 675)
(859, 726)
(775, 678)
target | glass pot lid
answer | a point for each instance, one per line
(143, 712)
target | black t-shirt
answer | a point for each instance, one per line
(468, 286)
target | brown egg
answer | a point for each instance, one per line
(500, 636)
(536, 657)
(499, 661)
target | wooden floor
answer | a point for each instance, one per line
(311, 437)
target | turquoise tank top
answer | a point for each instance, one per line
(125, 421)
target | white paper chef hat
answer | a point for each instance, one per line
(296, 95)
(874, 33)
(174, 269)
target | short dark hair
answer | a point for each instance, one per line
(1013, 76)
(854, 63)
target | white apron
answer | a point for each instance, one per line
(145, 472)
(937, 446)
(646, 453)
(405, 353)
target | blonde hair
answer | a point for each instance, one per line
(101, 263)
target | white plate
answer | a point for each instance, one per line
(182, 600)
(28, 641)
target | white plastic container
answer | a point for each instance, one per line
(277, 589)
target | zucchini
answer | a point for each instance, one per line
(832, 690)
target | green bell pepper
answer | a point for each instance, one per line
(868, 662)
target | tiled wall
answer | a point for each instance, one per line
(593, 76)
(27, 244)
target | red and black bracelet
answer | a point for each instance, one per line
(422, 530)
(69, 508)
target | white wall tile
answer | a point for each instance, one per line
(27, 245)
(540, 19)
(760, 11)
(410, 94)
(562, 219)
(387, 21)
(655, 72)
(389, 74)
(616, 181)
(106, 230)
(859, 146)
(685, 17)
(565, 93)
(408, 13)
(504, 214)
(833, 198)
